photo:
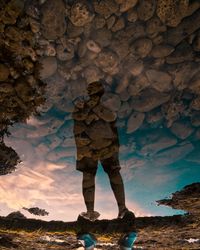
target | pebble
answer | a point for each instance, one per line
(134, 122)
(80, 14)
(48, 67)
(4, 72)
(53, 24)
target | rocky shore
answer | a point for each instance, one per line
(173, 232)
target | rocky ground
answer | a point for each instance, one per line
(175, 232)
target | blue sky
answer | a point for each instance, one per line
(55, 185)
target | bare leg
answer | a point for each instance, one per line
(88, 188)
(117, 186)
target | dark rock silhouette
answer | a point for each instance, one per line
(15, 215)
(36, 211)
(8, 159)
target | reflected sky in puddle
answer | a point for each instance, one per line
(145, 76)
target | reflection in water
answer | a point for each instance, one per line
(97, 139)
(116, 81)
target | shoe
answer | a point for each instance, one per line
(90, 215)
(127, 241)
(87, 240)
(123, 213)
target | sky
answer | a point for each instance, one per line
(50, 181)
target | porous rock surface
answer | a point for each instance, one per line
(146, 59)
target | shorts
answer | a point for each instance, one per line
(89, 165)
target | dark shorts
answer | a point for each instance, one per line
(89, 165)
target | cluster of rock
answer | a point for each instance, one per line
(186, 199)
(36, 211)
(145, 52)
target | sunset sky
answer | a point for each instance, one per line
(56, 186)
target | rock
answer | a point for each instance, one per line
(80, 14)
(138, 85)
(132, 16)
(195, 119)
(111, 101)
(120, 47)
(32, 9)
(172, 12)
(196, 43)
(124, 95)
(53, 24)
(124, 110)
(136, 68)
(48, 67)
(134, 122)
(119, 24)
(161, 143)
(92, 74)
(142, 47)
(99, 22)
(93, 46)
(65, 51)
(172, 111)
(154, 116)
(24, 91)
(194, 84)
(188, 26)
(15, 215)
(35, 25)
(108, 61)
(148, 100)
(95, 88)
(159, 80)
(154, 26)
(36, 211)
(195, 104)
(186, 199)
(122, 85)
(182, 53)
(146, 9)
(104, 113)
(11, 11)
(162, 50)
(100, 129)
(105, 7)
(182, 74)
(4, 72)
(181, 129)
(102, 37)
(127, 5)
(50, 50)
(110, 21)
(74, 31)
(79, 127)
